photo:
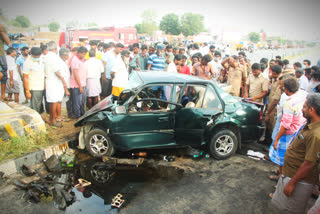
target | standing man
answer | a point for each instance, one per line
(256, 85)
(33, 79)
(95, 69)
(236, 74)
(203, 68)
(109, 60)
(24, 55)
(56, 86)
(274, 97)
(93, 46)
(212, 49)
(302, 79)
(119, 73)
(13, 84)
(156, 61)
(4, 39)
(307, 63)
(169, 56)
(140, 61)
(78, 82)
(216, 65)
(300, 172)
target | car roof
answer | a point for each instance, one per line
(167, 77)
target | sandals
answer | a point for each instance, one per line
(276, 172)
(8, 99)
(56, 124)
(274, 177)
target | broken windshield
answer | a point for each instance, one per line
(134, 81)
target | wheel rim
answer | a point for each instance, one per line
(224, 145)
(99, 144)
(99, 173)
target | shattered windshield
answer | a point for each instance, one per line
(227, 98)
(134, 81)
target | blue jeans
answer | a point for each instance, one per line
(78, 101)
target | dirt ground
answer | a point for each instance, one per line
(233, 186)
(61, 134)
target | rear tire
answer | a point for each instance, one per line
(98, 144)
(223, 144)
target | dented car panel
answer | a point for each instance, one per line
(171, 124)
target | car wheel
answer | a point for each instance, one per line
(223, 144)
(99, 144)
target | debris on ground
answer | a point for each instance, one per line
(53, 163)
(82, 183)
(255, 155)
(68, 158)
(125, 161)
(117, 201)
(27, 170)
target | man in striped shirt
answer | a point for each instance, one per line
(156, 61)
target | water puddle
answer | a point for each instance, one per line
(107, 181)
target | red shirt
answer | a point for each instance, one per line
(185, 70)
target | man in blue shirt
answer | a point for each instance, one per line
(156, 61)
(24, 55)
(109, 59)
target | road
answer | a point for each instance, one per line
(236, 185)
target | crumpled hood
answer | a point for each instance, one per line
(102, 105)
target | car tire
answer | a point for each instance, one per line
(223, 144)
(98, 144)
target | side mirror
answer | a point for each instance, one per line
(121, 110)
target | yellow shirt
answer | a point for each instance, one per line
(98, 55)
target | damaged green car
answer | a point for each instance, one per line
(165, 110)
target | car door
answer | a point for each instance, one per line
(201, 103)
(147, 124)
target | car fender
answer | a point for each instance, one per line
(225, 122)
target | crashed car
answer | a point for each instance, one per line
(163, 110)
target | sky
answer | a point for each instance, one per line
(291, 19)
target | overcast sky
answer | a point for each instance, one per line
(293, 19)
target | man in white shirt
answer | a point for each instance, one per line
(95, 69)
(13, 81)
(55, 84)
(302, 79)
(175, 66)
(119, 73)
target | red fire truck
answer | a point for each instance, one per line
(76, 37)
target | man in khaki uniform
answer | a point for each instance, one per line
(274, 97)
(256, 85)
(236, 74)
(300, 171)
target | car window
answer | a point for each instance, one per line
(211, 100)
(178, 90)
(134, 81)
(159, 91)
(193, 95)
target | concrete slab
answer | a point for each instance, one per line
(30, 159)
(17, 120)
(8, 168)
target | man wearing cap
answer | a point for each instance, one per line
(119, 73)
(302, 79)
(156, 61)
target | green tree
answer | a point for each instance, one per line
(92, 24)
(170, 24)
(191, 24)
(149, 22)
(21, 21)
(138, 27)
(254, 37)
(54, 26)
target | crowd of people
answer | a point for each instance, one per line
(83, 76)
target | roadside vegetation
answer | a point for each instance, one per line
(18, 146)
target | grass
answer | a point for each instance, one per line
(18, 146)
